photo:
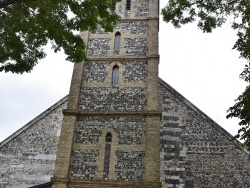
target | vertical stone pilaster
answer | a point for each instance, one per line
(76, 80)
(59, 185)
(62, 163)
(154, 8)
(153, 29)
(152, 154)
(152, 84)
(75, 87)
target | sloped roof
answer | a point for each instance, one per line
(202, 114)
(44, 185)
(164, 84)
(32, 122)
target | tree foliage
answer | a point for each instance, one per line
(211, 14)
(26, 26)
(241, 110)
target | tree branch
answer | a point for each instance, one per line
(5, 3)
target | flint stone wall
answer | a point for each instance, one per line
(84, 164)
(130, 165)
(133, 41)
(134, 28)
(139, 9)
(97, 71)
(28, 159)
(130, 130)
(101, 47)
(195, 151)
(113, 99)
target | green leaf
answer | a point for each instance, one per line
(27, 26)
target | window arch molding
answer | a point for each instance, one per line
(115, 75)
(113, 134)
(107, 154)
(108, 79)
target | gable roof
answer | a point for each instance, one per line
(202, 114)
(164, 84)
(36, 119)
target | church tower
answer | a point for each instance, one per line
(110, 135)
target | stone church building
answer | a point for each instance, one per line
(121, 125)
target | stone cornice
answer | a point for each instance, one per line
(108, 183)
(122, 58)
(110, 113)
(138, 19)
(153, 56)
(153, 18)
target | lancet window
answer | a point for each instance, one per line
(107, 155)
(117, 42)
(115, 73)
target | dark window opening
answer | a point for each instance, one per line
(128, 5)
(117, 42)
(109, 137)
(115, 75)
(107, 156)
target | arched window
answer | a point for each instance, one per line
(107, 155)
(128, 5)
(109, 137)
(115, 75)
(117, 42)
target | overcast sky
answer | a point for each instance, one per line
(201, 67)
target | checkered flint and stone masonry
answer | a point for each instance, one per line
(111, 128)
